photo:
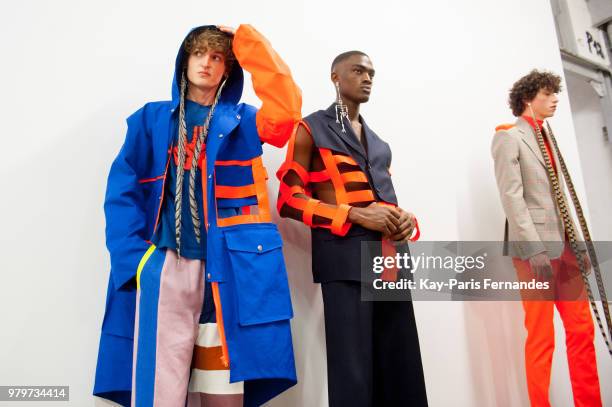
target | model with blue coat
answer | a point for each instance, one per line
(198, 300)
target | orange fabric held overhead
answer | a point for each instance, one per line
(281, 98)
(276, 121)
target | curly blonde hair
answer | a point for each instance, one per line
(207, 38)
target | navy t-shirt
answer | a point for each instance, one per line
(165, 235)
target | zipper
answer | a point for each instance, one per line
(163, 189)
(214, 285)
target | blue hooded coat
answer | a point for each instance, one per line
(244, 252)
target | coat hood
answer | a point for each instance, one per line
(232, 92)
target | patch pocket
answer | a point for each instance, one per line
(538, 215)
(258, 266)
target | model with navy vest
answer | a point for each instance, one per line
(336, 179)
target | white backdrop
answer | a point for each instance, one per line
(73, 70)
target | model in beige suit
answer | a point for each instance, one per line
(537, 241)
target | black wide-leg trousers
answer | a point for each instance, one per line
(373, 354)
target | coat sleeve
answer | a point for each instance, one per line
(124, 207)
(505, 152)
(281, 98)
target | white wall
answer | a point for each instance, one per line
(74, 70)
(595, 153)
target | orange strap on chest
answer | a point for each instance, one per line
(365, 195)
(339, 158)
(354, 176)
(222, 191)
(334, 175)
(258, 189)
(319, 176)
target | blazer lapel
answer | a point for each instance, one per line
(349, 137)
(369, 136)
(528, 136)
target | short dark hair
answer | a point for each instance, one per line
(528, 87)
(346, 55)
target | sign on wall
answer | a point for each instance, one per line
(589, 41)
(591, 45)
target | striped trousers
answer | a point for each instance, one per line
(177, 350)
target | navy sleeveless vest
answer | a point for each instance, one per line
(375, 163)
(336, 258)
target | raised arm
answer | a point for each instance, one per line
(272, 81)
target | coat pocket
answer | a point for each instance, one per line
(119, 313)
(258, 266)
(538, 215)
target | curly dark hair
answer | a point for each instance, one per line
(209, 38)
(526, 88)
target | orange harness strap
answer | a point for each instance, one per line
(222, 191)
(364, 195)
(286, 192)
(296, 167)
(338, 158)
(309, 211)
(319, 176)
(259, 190)
(334, 175)
(339, 224)
(311, 207)
(354, 176)
(388, 249)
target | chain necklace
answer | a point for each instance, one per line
(571, 231)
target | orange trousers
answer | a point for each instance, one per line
(568, 294)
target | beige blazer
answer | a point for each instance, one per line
(534, 223)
